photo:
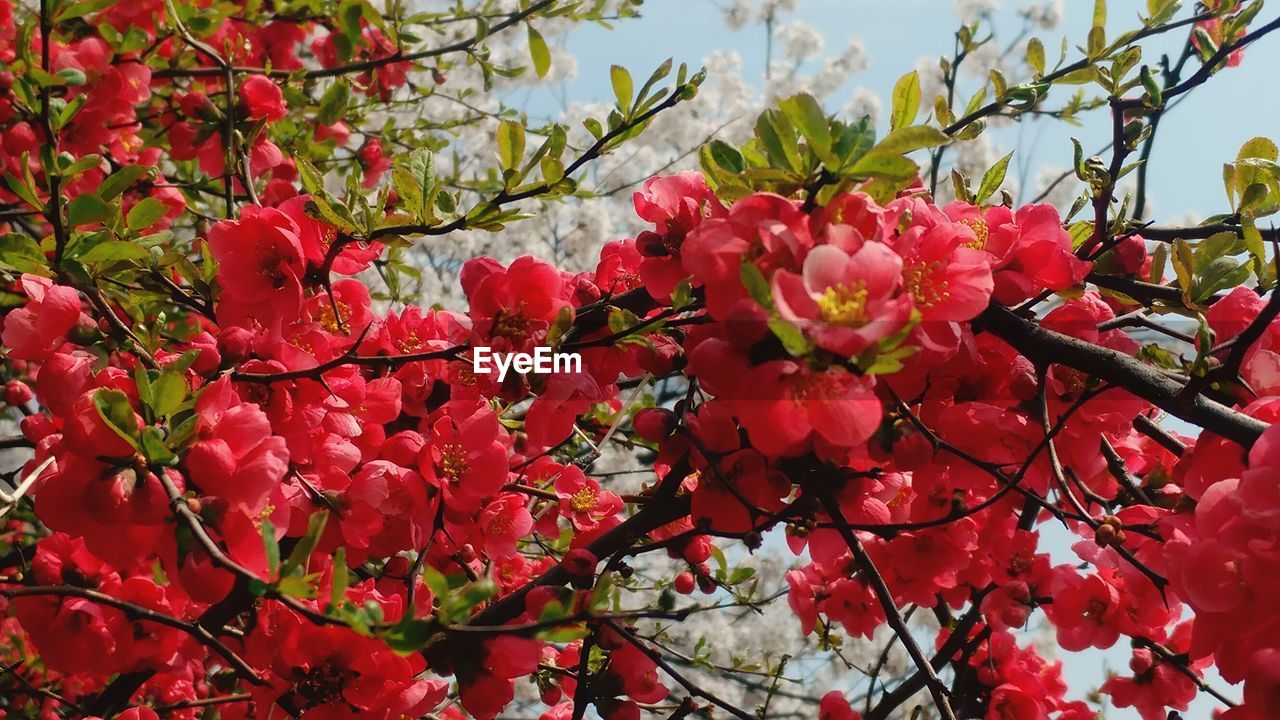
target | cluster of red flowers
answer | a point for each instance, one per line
(838, 386)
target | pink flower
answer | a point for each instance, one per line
(675, 204)
(846, 303)
(503, 521)
(263, 98)
(33, 331)
(834, 706)
(237, 457)
(1030, 251)
(583, 501)
(260, 266)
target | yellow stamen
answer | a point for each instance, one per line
(844, 304)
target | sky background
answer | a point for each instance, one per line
(1195, 138)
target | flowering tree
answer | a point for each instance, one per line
(258, 480)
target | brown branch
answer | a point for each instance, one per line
(693, 689)
(1044, 346)
(937, 689)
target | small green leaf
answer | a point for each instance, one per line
(992, 179)
(806, 115)
(756, 284)
(71, 76)
(408, 636)
(301, 553)
(884, 165)
(510, 144)
(88, 209)
(272, 547)
(114, 409)
(539, 53)
(1035, 55)
(21, 253)
(168, 393)
(121, 180)
(727, 156)
(904, 140)
(146, 213)
(792, 337)
(622, 87)
(333, 104)
(338, 591)
(113, 251)
(906, 101)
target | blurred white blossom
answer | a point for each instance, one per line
(973, 10)
(1045, 15)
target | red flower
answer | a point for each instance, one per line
(583, 501)
(236, 456)
(676, 205)
(260, 267)
(1030, 251)
(846, 303)
(263, 98)
(465, 459)
(512, 307)
(32, 331)
(834, 706)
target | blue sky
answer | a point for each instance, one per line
(1195, 139)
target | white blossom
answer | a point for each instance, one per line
(970, 11)
(864, 102)
(1045, 15)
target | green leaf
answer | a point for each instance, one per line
(121, 180)
(333, 104)
(1219, 274)
(338, 592)
(71, 76)
(154, 448)
(510, 144)
(88, 209)
(904, 140)
(727, 156)
(409, 636)
(298, 586)
(778, 138)
(436, 582)
(145, 213)
(23, 189)
(992, 178)
(1218, 245)
(114, 409)
(806, 115)
(113, 251)
(885, 165)
(756, 284)
(906, 101)
(792, 337)
(1184, 263)
(539, 53)
(622, 86)
(307, 544)
(168, 393)
(414, 180)
(21, 253)
(272, 547)
(1035, 55)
